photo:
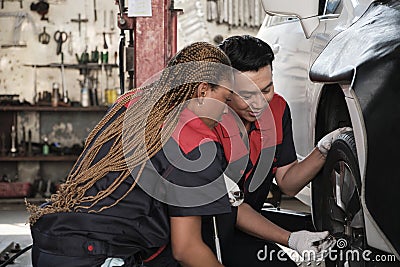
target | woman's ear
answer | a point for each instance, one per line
(202, 89)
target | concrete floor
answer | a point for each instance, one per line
(14, 228)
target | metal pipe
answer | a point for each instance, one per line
(132, 55)
(121, 62)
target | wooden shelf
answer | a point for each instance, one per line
(40, 158)
(53, 109)
(94, 66)
(32, 200)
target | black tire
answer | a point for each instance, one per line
(336, 199)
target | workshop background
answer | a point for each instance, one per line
(21, 48)
(30, 67)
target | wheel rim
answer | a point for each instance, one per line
(345, 212)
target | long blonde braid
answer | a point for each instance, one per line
(155, 102)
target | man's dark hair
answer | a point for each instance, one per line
(247, 53)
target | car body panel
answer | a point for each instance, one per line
(368, 55)
(375, 84)
(373, 36)
(293, 47)
(366, 86)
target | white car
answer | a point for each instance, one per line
(338, 64)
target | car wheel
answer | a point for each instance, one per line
(339, 190)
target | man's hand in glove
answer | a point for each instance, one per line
(311, 243)
(324, 145)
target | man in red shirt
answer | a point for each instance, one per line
(265, 131)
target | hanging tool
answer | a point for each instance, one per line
(209, 10)
(70, 48)
(105, 46)
(105, 19)
(3, 149)
(230, 14)
(245, 14)
(112, 26)
(94, 95)
(112, 20)
(261, 15)
(225, 10)
(251, 9)
(19, 20)
(95, 10)
(60, 37)
(79, 21)
(241, 14)
(64, 95)
(220, 11)
(236, 13)
(44, 37)
(13, 149)
(47, 193)
(2, 4)
(256, 14)
(35, 96)
(124, 22)
(42, 8)
(29, 153)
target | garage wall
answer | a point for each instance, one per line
(193, 24)
(15, 78)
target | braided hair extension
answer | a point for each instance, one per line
(155, 111)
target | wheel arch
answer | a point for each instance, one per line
(331, 113)
(338, 107)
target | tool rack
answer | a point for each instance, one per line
(82, 119)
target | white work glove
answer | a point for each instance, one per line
(111, 262)
(324, 145)
(311, 244)
(235, 195)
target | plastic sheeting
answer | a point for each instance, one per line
(375, 35)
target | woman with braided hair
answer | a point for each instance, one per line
(123, 203)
